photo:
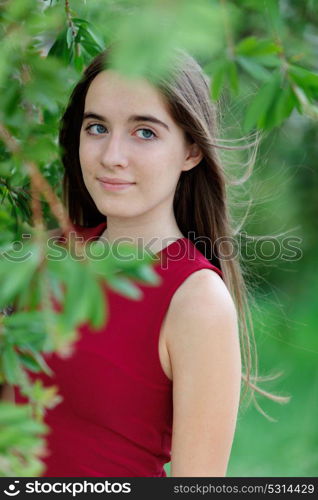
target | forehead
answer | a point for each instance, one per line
(111, 91)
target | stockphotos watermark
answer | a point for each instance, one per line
(244, 246)
(74, 488)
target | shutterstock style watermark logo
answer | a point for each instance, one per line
(64, 487)
(12, 490)
(78, 487)
(242, 247)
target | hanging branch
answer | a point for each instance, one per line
(39, 186)
(227, 30)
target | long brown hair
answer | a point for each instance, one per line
(200, 203)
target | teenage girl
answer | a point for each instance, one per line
(161, 380)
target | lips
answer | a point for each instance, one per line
(114, 180)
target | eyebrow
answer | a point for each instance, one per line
(133, 118)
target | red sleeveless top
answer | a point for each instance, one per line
(115, 419)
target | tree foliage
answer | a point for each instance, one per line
(257, 52)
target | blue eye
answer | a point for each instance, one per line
(94, 125)
(152, 136)
(98, 129)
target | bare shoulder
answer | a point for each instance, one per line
(204, 350)
(204, 280)
(202, 296)
(201, 312)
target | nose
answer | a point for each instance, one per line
(113, 152)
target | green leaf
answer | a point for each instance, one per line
(13, 414)
(22, 318)
(79, 62)
(283, 106)
(11, 97)
(260, 105)
(233, 76)
(76, 301)
(304, 105)
(29, 362)
(223, 71)
(145, 273)
(252, 46)
(69, 37)
(273, 14)
(218, 80)
(15, 276)
(60, 48)
(17, 11)
(29, 297)
(269, 60)
(97, 300)
(124, 287)
(26, 330)
(95, 38)
(80, 22)
(124, 256)
(305, 79)
(89, 41)
(25, 210)
(253, 68)
(11, 365)
(39, 146)
(84, 299)
(55, 286)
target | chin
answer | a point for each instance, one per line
(109, 209)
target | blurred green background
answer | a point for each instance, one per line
(286, 324)
(262, 59)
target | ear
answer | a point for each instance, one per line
(193, 158)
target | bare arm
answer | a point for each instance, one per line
(203, 346)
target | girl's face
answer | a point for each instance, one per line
(128, 133)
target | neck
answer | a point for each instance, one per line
(142, 231)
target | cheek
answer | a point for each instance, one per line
(160, 181)
(170, 158)
(161, 167)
